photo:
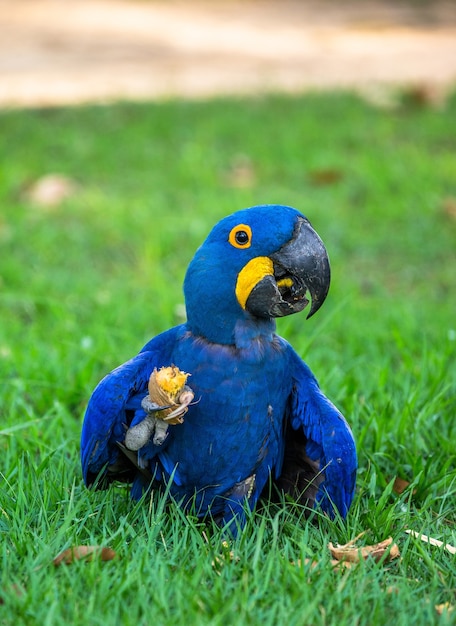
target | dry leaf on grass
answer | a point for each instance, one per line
(446, 607)
(353, 554)
(347, 555)
(400, 485)
(449, 207)
(51, 190)
(425, 95)
(325, 176)
(337, 565)
(432, 541)
(78, 553)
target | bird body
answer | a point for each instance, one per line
(258, 413)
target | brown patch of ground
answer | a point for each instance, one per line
(56, 52)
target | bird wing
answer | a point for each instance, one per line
(327, 438)
(106, 415)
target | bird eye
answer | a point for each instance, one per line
(240, 236)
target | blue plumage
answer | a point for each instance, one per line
(259, 413)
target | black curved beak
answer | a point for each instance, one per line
(301, 266)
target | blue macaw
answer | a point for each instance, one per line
(259, 418)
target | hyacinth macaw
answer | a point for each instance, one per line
(259, 423)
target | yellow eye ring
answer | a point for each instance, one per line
(241, 236)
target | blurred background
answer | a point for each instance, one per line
(67, 51)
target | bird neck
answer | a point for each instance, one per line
(244, 333)
(249, 332)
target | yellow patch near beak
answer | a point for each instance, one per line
(285, 282)
(250, 275)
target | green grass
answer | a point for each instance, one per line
(85, 284)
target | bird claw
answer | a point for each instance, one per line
(155, 426)
(180, 408)
(151, 407)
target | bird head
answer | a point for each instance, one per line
(255, 265)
